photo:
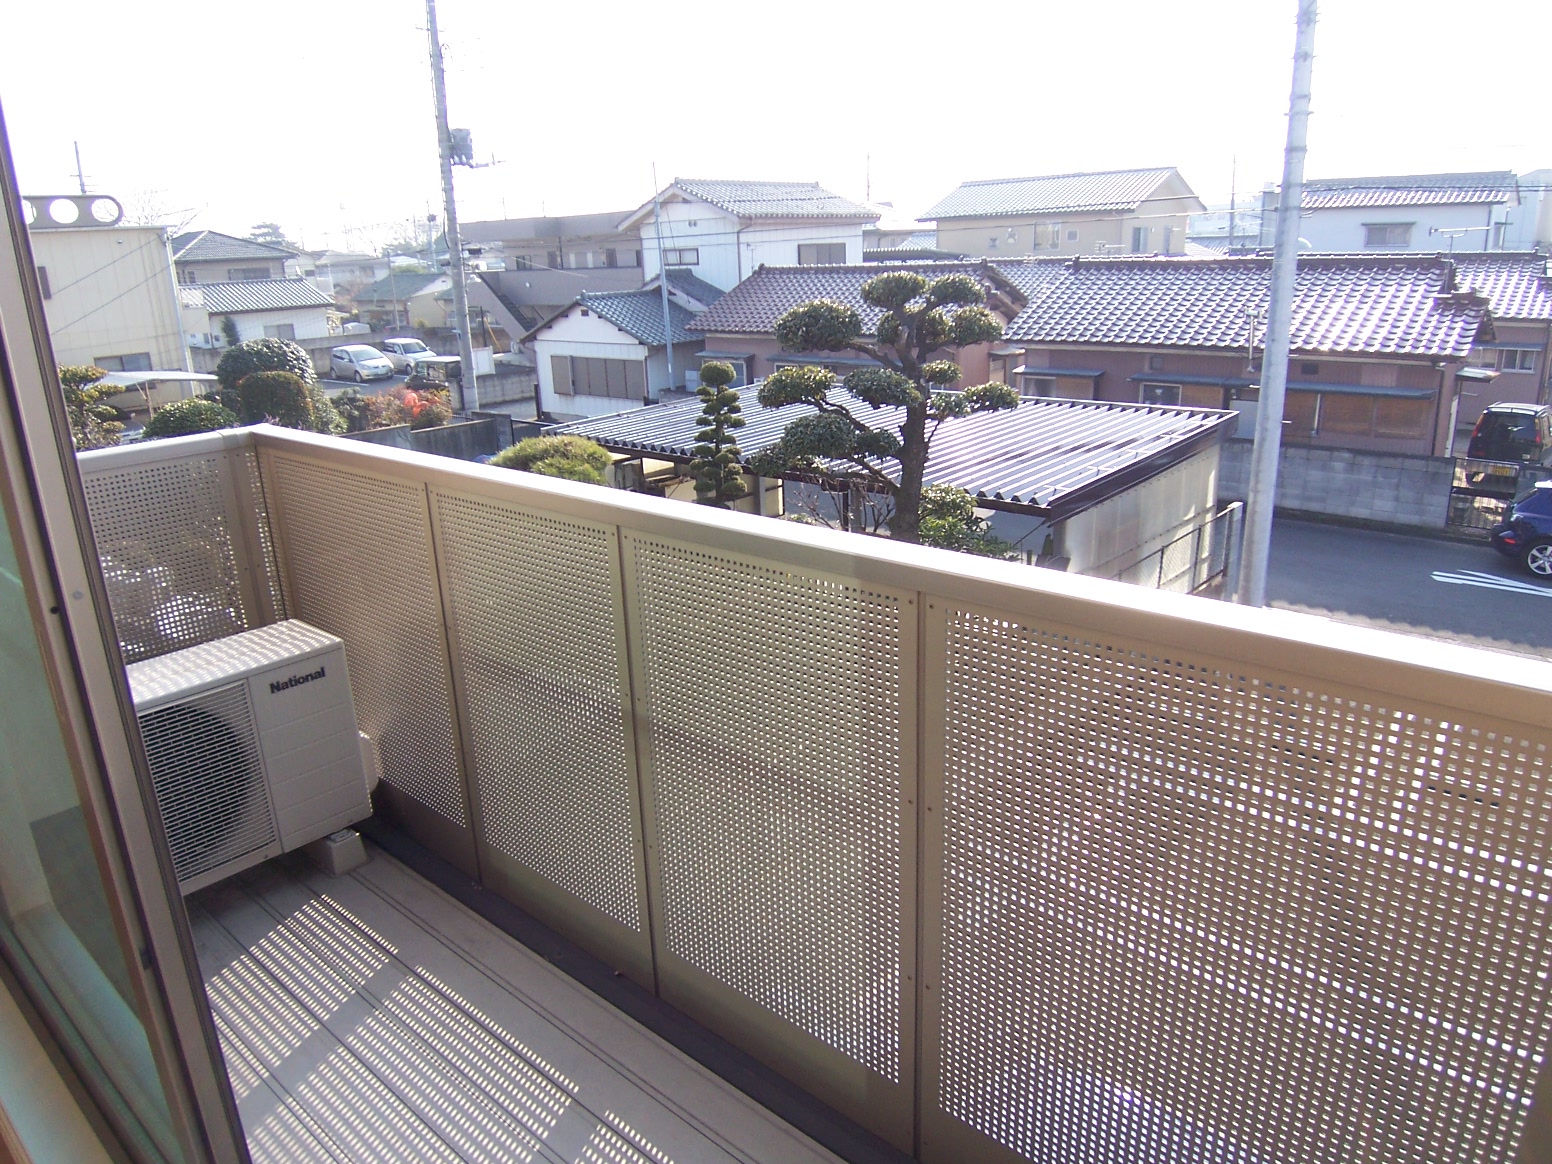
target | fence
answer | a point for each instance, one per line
(1483, 491)
(1199, 561)
(1005, 864)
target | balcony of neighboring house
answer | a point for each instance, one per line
(708, 836)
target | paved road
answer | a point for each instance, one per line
(1447, 590)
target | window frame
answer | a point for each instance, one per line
(682, 256)
(821, 254)
(1370, 227)
(1155, 385)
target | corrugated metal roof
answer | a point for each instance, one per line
(253, 295)
(1051, 194)
(1371, 304)
(1053, 456)
(1410, 190)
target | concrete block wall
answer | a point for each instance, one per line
(1396, 488)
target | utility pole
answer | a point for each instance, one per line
(1233, 193)
(662, 282)
(1262, 493)
(467, 383)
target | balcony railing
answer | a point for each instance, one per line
(1002, 863)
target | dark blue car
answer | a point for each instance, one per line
(1526, 530)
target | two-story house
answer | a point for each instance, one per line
(208, 256)
(1401, 212)
(1519, 294)
(723, 230)
(1136, 211)
(1378, 342)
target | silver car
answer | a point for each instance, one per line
(404, 353)
(359, 362)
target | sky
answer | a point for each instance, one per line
(319, 116)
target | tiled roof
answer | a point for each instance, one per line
(254, 295)
(211, 246)
(1409, 190)
(775, 199)
(1516, 283)
(1032, 276)
(1051, 194)
(1348, 303)
(1058, 456)
(399, 286)
(687, 282)
(754, 306)
(640, 314)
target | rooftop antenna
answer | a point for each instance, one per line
(662, 282)
(867, 180)
(80, 174)
(1233, 178)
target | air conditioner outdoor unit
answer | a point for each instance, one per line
(253, 747)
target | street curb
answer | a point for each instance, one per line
(1433, 533)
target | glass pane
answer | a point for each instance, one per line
(56, 924)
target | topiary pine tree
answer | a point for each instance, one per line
(93, 424)
(188, 416)
(263, 355)
(719, 480)
(277, 397)
(921, 321)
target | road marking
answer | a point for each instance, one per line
(1491, 582)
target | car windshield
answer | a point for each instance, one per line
(412, 348)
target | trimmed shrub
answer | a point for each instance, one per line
(277, 397)
(263, 355)
(572, 457)
(93, 424)
(189, 416)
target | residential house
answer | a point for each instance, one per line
(342, 273)
(208, 256)
(607, 351)
(406, 298)
(741, 327)
(292, 309)
(1225, 229)
(1137, 211)
(723, 230)
(981, 861)
(108, 289)
(1402, 212)
(1377, 347)
(1530, 223)
(1519, 294)
(548, 262)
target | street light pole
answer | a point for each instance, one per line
(467, 381)
(1261, 496)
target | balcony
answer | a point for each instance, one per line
(999, 863)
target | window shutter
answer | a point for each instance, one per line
(560, 371)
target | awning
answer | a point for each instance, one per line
(1210, 381)
(1483, 374)
(708, 354)
(1525, 345)
(826, 361)
(1359, 390)
(137, 379)
(1085, 373)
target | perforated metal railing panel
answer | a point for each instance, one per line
(360, 563)
(1191, 913)
(775, 700)
(535, 609)
(171, 549)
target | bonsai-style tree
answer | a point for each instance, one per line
(183, 417)
(229, 330)
(718, 478)
(572, 457)
(93, 424)
(949, 521)
(921, 322)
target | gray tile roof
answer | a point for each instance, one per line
(775, 199)
(639, 314)
(754, 306)
(1390, 305)
(1051, 194)
(1516, 284)
(210, 246)
(1054, 456)
(401, 285)
(1410, 190)
(687, 282)
(254, 295)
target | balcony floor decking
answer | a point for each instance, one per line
(371, 1017)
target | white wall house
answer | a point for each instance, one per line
(290, 309)
(108, 291)
(723, 230)
(605, 353)
(1407, 212)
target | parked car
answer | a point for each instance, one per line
(435, 372)
(404, 353)
(1526, 530)
(359, 362)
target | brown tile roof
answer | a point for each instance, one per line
(1050, 194)
(1409, 190)
(1391, 305)
(754, 306)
